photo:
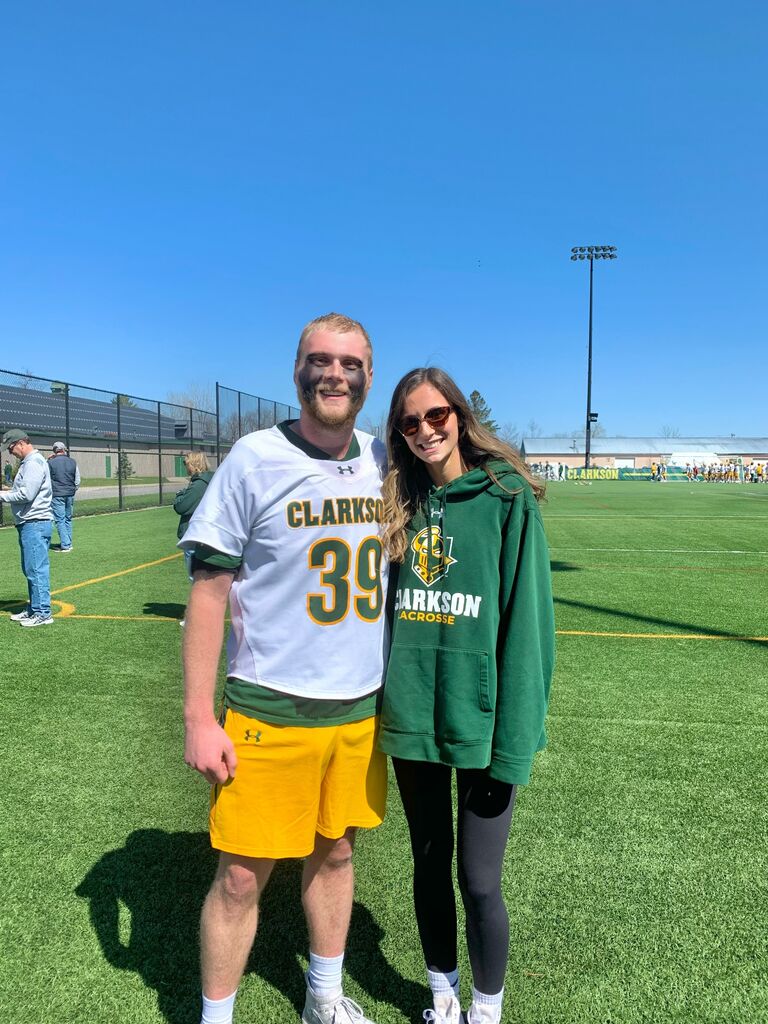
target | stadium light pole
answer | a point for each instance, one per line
(591, 253)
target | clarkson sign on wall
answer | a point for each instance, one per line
(674, 473)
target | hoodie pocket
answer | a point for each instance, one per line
(439, 691)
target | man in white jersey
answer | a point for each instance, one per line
(287, 534)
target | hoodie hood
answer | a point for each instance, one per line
(434, 509)
(476, 480)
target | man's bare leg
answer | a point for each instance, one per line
(229, 919)
(327, 889)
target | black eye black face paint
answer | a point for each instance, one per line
(355, 377)
(311, 376)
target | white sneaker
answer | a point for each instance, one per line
(20, 616)
(36, 620)
(447, 1010)
(336, 1009)
(484, 1013)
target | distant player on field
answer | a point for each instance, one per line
(287, 533)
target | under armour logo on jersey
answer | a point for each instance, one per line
(250, 734)
(345, 469)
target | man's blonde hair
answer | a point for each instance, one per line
(339, 324)
(196, 462)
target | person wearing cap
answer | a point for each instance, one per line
(65, 480)
(30, 500)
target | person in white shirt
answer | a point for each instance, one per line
(30, 499)
(287, 533)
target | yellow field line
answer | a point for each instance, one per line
(126, 618)
(660, 636)
(114, 575)
(67, 612)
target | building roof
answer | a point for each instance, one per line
(535, 446)
(43, 412)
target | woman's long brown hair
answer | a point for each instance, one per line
(407, 481)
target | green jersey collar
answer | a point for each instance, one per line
(312, 450)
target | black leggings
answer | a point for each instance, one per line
(484, 816)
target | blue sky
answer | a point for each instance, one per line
(185, 184)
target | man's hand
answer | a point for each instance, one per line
(209, 750)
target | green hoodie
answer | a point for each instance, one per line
(189, 498)
(473, 630)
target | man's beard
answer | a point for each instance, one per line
(308, 390)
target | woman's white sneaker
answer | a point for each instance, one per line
(447, 1010)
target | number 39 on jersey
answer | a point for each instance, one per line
(350, 580)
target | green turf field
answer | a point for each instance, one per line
(636, 872)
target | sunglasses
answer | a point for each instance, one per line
(409, 425)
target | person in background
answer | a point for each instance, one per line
(65, 480)
(467, 686)
(189, 497)
(30, 501)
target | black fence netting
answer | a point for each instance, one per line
(240, 413)
(130, 451)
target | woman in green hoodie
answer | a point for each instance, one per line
(189, 497)
(469, 671)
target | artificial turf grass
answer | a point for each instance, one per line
(632, 874)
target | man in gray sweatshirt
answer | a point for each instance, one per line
(30, 499)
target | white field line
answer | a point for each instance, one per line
(641, 515)
(662, 551)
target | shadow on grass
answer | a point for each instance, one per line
(145, 902)
(13, 606)
(170, 610)
(687, 627)
(564, 567)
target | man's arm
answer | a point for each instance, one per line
(207, 747)
(28, 482)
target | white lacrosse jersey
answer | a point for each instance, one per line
(307, 605)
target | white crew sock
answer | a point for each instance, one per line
(324, 974)
(444, 987)
(218, 1011)
(485, 1009)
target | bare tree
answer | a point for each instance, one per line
(533, 429)
(668, 431)
(509, 434)
(376, 425)
(26, 380)
(598, 430)
(195, 396)
(201, 398)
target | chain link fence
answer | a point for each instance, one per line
(130, 450)
(240, 413)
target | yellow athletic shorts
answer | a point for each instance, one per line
(293, 781)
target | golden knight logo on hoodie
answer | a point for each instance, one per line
(431, 555)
